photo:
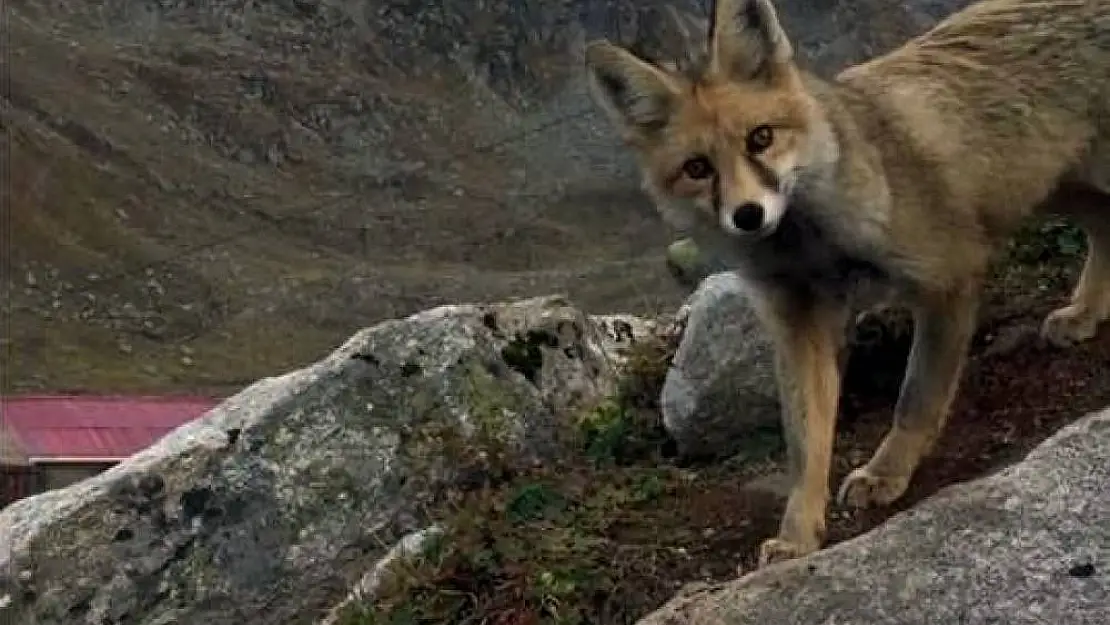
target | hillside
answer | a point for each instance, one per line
(207, 193)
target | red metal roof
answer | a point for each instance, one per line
(102, 427)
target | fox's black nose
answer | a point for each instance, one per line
(748, 217)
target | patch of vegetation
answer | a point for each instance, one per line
(627, 428)
(1036, 271)
(535, 550)
(1047, 241)
(539, 546)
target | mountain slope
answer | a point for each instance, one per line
(206, 193)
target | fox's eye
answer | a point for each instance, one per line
(697, 168)
(760, 138)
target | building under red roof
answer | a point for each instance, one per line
(80, 435)
(86, 428)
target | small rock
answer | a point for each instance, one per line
(721, 386)
(689, 264)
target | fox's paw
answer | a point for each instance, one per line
(862, 489)
(1069, 325)
(776, 550)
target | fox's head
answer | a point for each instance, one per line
(728, 135)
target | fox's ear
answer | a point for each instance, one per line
(746, 41)
(637, 95)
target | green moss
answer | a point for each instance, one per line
(603, 429)
(627, 427)
(689, 265)
(531, 501)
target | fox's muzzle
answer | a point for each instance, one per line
(752, 216)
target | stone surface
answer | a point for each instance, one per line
(619, 333)
(1027, 546)
(721, 387)
(269, 508)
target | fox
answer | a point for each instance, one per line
(891, 183)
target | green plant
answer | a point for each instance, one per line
(1047, 241)
(534, 547)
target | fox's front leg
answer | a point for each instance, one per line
(943, 325)
(808, 341)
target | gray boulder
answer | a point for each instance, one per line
(720, 389)
(269, 508)
(1027, 546)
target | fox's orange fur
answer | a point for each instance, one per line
(893, 182)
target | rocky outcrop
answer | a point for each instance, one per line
(294, 498)
(1027, 546)
(269, 508)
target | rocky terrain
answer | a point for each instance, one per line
(239, 197)
(507, 463)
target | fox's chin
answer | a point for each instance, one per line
(750, 236)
